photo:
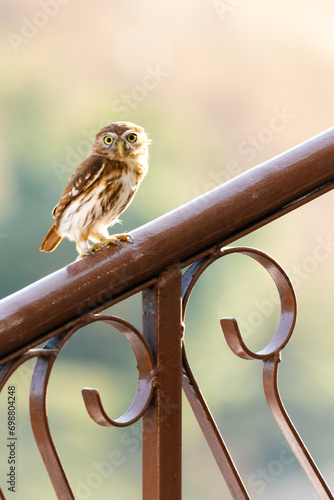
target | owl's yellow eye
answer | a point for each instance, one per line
(132, 137)
(108, 140)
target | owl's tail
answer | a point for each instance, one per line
(51, 240)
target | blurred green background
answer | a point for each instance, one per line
(220, 86)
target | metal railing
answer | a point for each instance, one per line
(192, 236)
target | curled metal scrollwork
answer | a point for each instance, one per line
(270, 355)
(145, 385)
(288, 310)
(39, 385)
(196, 398)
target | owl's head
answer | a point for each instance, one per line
(121, 140)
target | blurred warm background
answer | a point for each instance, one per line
(207, 79)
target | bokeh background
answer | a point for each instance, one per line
(207, 79)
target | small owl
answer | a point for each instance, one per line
(100, 189)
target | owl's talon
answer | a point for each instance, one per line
(83, 254)
(130, 239)
(115, 239)
(97, 246)
(127, 238)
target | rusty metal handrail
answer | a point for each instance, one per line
(194, 235)
(219, 217)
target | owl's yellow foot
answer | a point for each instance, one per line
(115, 239)
(124, 237)
(97, 246)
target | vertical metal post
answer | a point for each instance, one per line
(162, 326)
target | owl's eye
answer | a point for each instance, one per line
(132, 137)
(108, 140)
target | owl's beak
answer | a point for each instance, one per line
(121, 148)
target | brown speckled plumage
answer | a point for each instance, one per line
(101, 188)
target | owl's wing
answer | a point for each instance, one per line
(81, 180)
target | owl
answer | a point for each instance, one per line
(100, 189)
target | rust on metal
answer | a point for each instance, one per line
(193, 236)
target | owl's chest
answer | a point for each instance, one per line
(103, 202)
(129, 180)
(118, 194)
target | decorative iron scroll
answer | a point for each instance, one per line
(39, 385)
(148, 380)
(270, 355)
